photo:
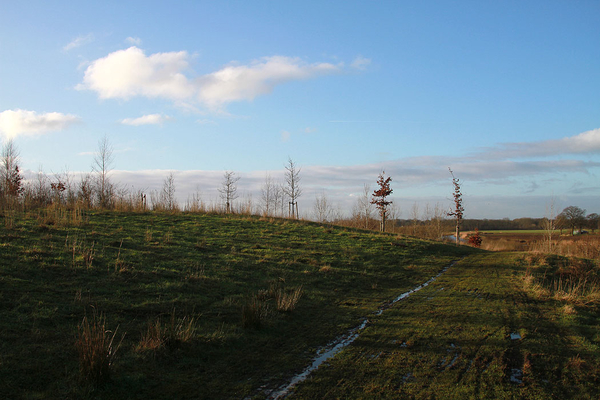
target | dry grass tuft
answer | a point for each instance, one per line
(288, 299)
(96, 348)
(576, 287)
(170, 334)
(569, 309)
(326, 269)
(575, 363)
(254, 312)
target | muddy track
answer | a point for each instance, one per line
(339, 343)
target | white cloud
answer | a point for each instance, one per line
(361, 63)
(285, 136)
(151, 119)
(136, 41)
(79, 41)
(14, 123)
(308, 129)
(129, 73)
(245, 82)
(583, 143)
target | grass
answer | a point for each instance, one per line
(96, 348)
(586, 246)
(136, 268)
(256, 298)
(474, 333)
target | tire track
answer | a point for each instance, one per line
(341, 342)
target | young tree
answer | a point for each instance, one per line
(322, 208)
(269, 196)
(168, 193)
(103, 163)
(379, 198)
(11, 180)
(85, 191)
(228, 189)
(292, 187)
(414, 213)
(458, 211)
(549, 224)
(363, 209)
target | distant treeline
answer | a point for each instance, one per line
(487, 224)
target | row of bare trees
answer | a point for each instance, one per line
(96, 190)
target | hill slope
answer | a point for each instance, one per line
(178, 285)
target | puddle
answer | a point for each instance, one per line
(453, 348)
(408, 377)
(406, 294)
(516, 376)
(515, 336)
(343, 341)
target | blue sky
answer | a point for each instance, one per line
(504, 93)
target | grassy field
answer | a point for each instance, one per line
(587, 246)
(194, 295)
(216, 307)
(476, 332)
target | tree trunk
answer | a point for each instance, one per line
(457, 233)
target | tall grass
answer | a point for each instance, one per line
(96, 348)
(171, 333)
(583, 246)
(255, 312)
(573, 281)
(287, 300)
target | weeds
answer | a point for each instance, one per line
(96, 348)
(288, 299)
(170, 334)
(572, 281)
(254, 313)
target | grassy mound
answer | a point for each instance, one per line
(124, 305)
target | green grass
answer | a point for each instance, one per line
(217, 307)
(452, 340)
(147, 272)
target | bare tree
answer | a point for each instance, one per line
(364, 209)
(228, 190)
(414, 213)
(593, 220)
(436, 222)
(322, 208)
(40, 189)
(11, 180)
(292, 187)
(103, 164)
(85, 191)
(168, 193)
(574, 217)
(549, 225)
(269, 196)
(379, 198)
(458, 211)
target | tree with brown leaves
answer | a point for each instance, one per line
(458, 211)
(379, 198)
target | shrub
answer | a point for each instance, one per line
(475, 240)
